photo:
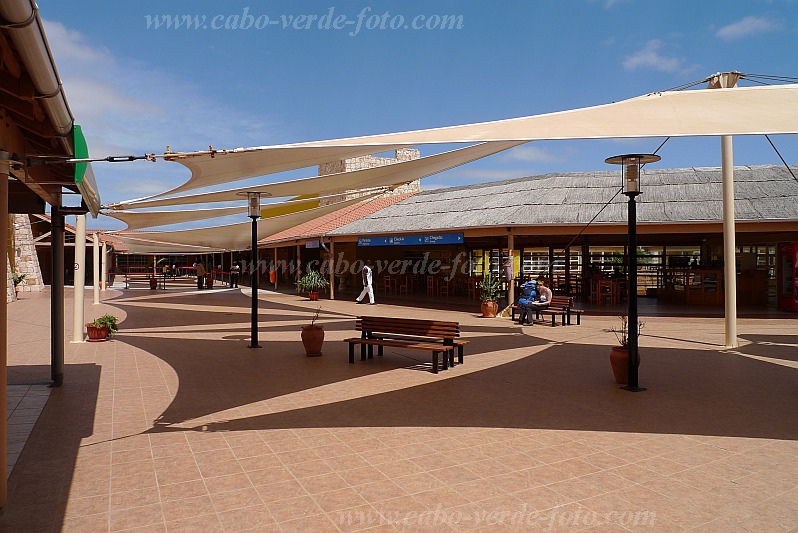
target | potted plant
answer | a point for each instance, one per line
(619, 355)
(18, 280)
(490, 288)
(102, 328)
(313, 336)
(313, 283)
(208, 276)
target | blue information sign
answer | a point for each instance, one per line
(412, 240)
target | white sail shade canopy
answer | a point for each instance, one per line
(732, 111)
(230, 236)
(148, 219)
(383, 176)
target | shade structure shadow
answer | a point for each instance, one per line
(773, 346)
(570, 387)
(40, 485)
(218, 375)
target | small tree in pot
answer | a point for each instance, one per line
(619, 355)
(490, 288)
(312, 283)
(313, 336)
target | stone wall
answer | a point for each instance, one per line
(10, 288)
(25, 260)
(370, 161)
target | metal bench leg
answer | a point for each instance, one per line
(579, 319)
(434, 362)
(445, 360)
(379, 350)
(371, 351)
(553, 320)
(451, 357)
(352, 353)
(460, 354)
(362, 352)
(569, 318)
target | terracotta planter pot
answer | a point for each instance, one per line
(490, 309)
(272, 276)
(153, 283)
(96, 334)
(314, 296)
(619, 359)
(312, 338)
(208, 281)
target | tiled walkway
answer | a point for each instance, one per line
(176, 425)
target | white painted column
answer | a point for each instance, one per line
(80, 278)
(104, 276)
(332, 270)
(95, 256)
(729, 244)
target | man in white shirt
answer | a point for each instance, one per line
(367, 287)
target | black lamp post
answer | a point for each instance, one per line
(631, 165)
(253, 211)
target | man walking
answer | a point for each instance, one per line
(367, 288)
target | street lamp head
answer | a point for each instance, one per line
(253, 204)
(632, 164)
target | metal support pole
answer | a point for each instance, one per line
(95, 261)
(633, 323)
(254, 282)
(79, 275)
(4, 171)
(104, 278)
(511, 284)
(729, 245)
(57, 298)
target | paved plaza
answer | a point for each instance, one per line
(176, 425)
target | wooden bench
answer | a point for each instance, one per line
(560, 306)
(432, 335)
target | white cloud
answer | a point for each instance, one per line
(746, 26)
(529, 153)
(129, 108)
(651, 58)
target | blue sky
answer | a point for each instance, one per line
(136, 89)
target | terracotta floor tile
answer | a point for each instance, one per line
(339, 499)
(179, 491)
(328, 437)
(293, 509)
(280, 491)
(137, 516)
(186, 508)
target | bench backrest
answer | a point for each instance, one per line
(407, 326)
(561, 301)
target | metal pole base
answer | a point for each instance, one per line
(256, 346)
(58, 380)
(633, 389)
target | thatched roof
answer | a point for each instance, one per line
(669, 195)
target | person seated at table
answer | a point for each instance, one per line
(529, 293)
(542, 301)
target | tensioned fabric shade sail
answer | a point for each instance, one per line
(384, 176)
(230, 236)
(149, 219)
(278, 159)
(732, 111)
(146, 246)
